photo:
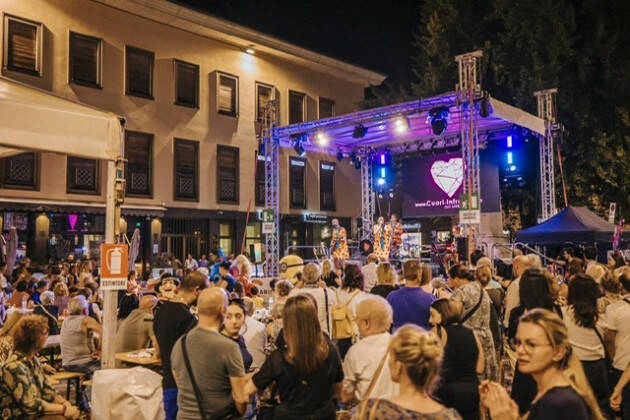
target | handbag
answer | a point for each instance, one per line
(609, 366)
(229, 412)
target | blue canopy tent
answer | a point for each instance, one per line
(576, 225)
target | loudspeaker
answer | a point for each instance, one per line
(462, 249)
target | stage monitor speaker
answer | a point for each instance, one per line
(462, 249)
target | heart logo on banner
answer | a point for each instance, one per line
(448, 175)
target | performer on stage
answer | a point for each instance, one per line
(339, 244)
(397, 231)
(382, 239)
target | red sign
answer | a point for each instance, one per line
(114, 268)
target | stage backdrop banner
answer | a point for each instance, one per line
(432, 185)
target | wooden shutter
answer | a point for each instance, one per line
(296, 107)
(20, 171)
(186, 84)
(186, 155)
(326, 108)
(85, 60)
(297, 182)
(23, 45)
(82, 175)
(138, 151)
(327, 186)
(139, 72)
(227, 174)
(228, 95)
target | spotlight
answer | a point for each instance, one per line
(391, 194)
(359, 131)
(401, 125)
(438, 118)
(380, 196)
(339, 155)
(321, 139)
(250, 50)
(298, 145)
(380, 182)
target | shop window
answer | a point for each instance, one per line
(264, 94)
(227, 174)
(226, 237)
(21, 171)
(297, 183)
(252, 234)
(327, 186)
(22, 45)
(186, 84)
(297, 107)
(85, 60)
(260, 181)
(138, 152)
(186, 177)
(139, 72)
(227, 95)
(326, 108)
(82, 175)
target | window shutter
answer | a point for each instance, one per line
(139, 72)
(228, 95)
(22, 46)
(296, 107)
(20, 171)
(85, 59)
(326, 108)
(227, 168)
(186, 169)
(82, 175)
(186, 84)
(138, 151)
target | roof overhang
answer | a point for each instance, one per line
(379, 123)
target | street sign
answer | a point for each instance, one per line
(268, 219)
(114, 266)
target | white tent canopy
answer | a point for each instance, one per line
(33, 119)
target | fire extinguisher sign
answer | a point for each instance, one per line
(114, 266)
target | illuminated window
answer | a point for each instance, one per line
(297, 183)
(227, 96)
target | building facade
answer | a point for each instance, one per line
(191, 88)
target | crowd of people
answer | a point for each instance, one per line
(380, 340)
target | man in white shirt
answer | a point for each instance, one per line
(618, 337)
(324, 296)
(512, 300)
(590, 256)
(365, 367)
(370, 278)
(255, 335)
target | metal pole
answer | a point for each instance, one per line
(110, 303)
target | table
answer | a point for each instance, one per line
(53, 343)
(134, 357)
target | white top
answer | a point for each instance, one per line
(618, 318)
(255, 336)
(512, 299)
(360, 365)
(584, 341)
(323, 312)
(369, 276)
(3, 281)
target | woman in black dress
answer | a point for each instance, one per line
(462, 361)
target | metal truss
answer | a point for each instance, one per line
(367, 196)
(467, 90)
(272, 186)
(547, 111)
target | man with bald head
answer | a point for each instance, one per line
(215, 361)
(512, 300)
(136, 331)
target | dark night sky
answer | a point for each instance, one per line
(376, 37)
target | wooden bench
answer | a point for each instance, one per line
(70, 378)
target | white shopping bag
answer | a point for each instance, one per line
(120, 394)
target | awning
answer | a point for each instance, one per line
(37, 120)
(82, 207)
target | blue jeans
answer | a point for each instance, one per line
(169, 396)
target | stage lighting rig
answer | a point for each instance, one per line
(401, 125)
(359, 131)
(339, 155)
(438, 118)
(298, 143)
(321, 139)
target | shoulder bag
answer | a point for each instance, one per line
(230, 412)
(607, 357)
(376, 375)
(474, 309)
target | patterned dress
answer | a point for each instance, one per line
(339, 244)
(397, 231)
(23, 388)
(479, 322)
(386, 410)
(382, 239)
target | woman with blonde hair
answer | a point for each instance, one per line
(6, 340)
(386, 280)
(414, 361)
(543, 350)
(329, 276)
(307, 369)
(62, 298)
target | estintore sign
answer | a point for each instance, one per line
(114, 266)
(268, 219)
(469, 212)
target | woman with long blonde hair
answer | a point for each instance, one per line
(306, 369)
(386, 280)
(543, 351)
(329, 276)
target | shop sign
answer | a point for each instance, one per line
(315, 218)
(268, 219)
(114, 266)
(411, 226)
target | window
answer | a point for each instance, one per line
(22, 45)
(82, 175)
(260, 181)
(297, 183)
(264, 94)
(138, 152)
(226, 237)
(252, 236)
(21, 171)
(186, 84)
(227, 95)
(186, 176)
(327, 186)
(227, 174)
(297, 105)
(85, 60)
(139, 65)
(326, 108)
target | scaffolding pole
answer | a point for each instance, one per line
(272, 186)
(547, 111)
(367, 196)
